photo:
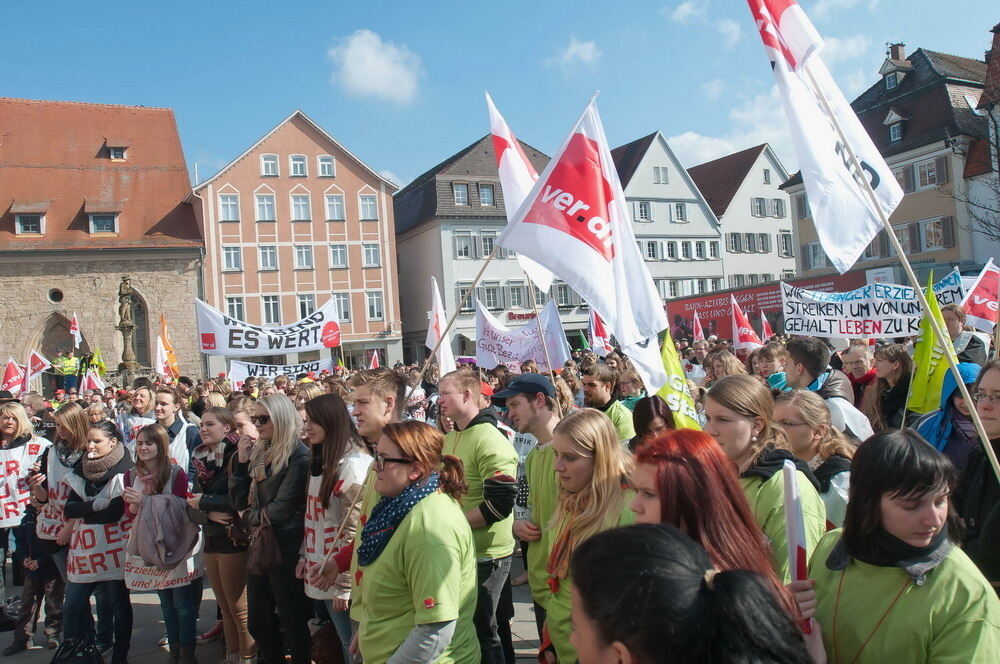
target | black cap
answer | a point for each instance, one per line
(7, 397)
(527, 383)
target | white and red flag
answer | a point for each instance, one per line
(74, 331)
(795, 530)
(91, 381)
(435, 332)
(846, 221)
(575, 222)
(981, 302)
(517, 177)
(765, 327)
(744, 338)
(600, 340)
(696, 329)
(13, 376)
(374, 364)
(36, 365)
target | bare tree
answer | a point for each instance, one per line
(981, 194)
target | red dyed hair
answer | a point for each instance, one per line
(700, 494)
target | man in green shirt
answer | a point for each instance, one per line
(598, 386)
(531, 405)
(490, 464)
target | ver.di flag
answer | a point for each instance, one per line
(13, 376)
(765, 327)
(983, 299)
(74, 331)
(675, 390)
(845, 219)
(744, 337)
(599, 333)
(929, 362)
(36, 364)
(575, 222)
(436, 337)
(696, 329)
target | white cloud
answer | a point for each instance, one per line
(713, 89)
(843, 49)
(730, 31)
(575, 54)
(855, 82)
(684, 12)
(824, 8)
(392, 177)
(367, 66)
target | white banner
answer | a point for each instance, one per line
(240, 371)
(219, 334)
(14, 490)
(141, 577)
(495, 344)
(97, 551)
(877, 310)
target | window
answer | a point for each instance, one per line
(335, 207)
(267, 257)
(373, 255)
(234, 308)
(564, 296)
(374, 300)
(468, 303)
(671, 288)
(30, 224)
(488, 241)
(232, 259)
(652, 250)
(307, 305)
(785, 245)
(660, 175)
(713, 249)
(751, 242)
(891, 81)
(461, 193)
(680, 212)
(686, 250)
(491, 296)
(817, 258)
(699, 250)
(735, 243)
(343, 301)
(265, 207)
(104, 223)
(269, 165)
(540, 296)
(874, 248)
(779, 208)
(486, 195)
(643, 211)
(463, 245)
(763, 242)
(303, 257)
(896, 132)
(300, 207)
(369, 208)
(272, 309)
(325, 166)
(229, 207)
(766, 277)
(788, 274)
(759, 207)
(753, 279)
(927, 174)
(116, 153)
(516, 295)
(738, 280)
(297, 166)
(338, 256)
(932, 235)
(672, 250)
(767, 176)
(801, 206)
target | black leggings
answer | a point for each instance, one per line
(280, 591)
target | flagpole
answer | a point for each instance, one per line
(541, 336)
(938, 332)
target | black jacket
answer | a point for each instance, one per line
(214, 492)
(283, 494)
(82, 507)
(977, 501)
(837, 384)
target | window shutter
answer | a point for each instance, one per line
(652, 211)
(635, 210)
(914, 231)
(948, 231)
(753, 207)
(806, 258)
(454, 241)
(908, 180)
(941, 168)
(670, 212)
(883, 244)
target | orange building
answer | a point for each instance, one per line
(293, 221)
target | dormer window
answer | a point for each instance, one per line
(117, 153)
(895, 132)
(891, 81)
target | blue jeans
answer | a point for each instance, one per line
(342, 622)
(77, 621)
(180, 612)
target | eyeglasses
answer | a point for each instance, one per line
(986, 397)
(257, 420)
(792, 424)
(381, 460)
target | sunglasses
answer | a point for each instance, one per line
(257, 420)
(381, 460)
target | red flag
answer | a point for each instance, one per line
(13, 377)
(699, 333)
(36, 365)
(374, 363)
(744, 338)
(600, 340)
(91, 381)
(765, 328)
(74, 331)
(980, 302)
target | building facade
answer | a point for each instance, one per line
(743, 190)
(923, 117)
(90, 193)
(293, 221)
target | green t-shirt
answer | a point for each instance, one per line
(767, 502)
(543, 495)
(558, 606)
(954, 617)
(369, 498)
(425, 574)
(621, 417)
(485, 452)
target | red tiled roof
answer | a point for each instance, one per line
(978, 160)
(55, 154)
(720, 179)
(628, 156)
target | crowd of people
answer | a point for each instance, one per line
(377, 515)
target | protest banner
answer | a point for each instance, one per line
(219, 334)
(142, 577)
(240, 371)
(496, 344)
(14, 489)
(97, 550)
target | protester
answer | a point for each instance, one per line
(155, 473)
(490, 466)
(768, 360)
(892, 586)
(95, 502)
(857, 363)
(722, 363)
(417, 555)
(651, 417)
(592, 468)
(647, 593)
(138, 416)
(630, 388)
(885, 399)
(183, 435)
(416, 398)
(225, 556)
(339, 466)
(598, 387)
(950, 428)
(805, 419)
(267, 484)
(968, 346)
(739, 413)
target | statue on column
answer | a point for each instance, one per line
(125, 302)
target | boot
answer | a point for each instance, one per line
(175, 654)
(187, 654)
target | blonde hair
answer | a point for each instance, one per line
(24, 427)
(215, 400)
(814, 412)
(71, 417)
(309, 391)
(286, 423)
(731, 365)
(747, 396)
(598, 506)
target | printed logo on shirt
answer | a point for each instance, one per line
(429, 603)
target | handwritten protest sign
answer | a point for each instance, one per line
(219, 334)
(495, 344)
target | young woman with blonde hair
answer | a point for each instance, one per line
(739, 414)
(592, 468)
(884, 401)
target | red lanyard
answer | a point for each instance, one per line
(836, 610)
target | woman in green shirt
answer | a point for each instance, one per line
(417, 566)
(592, 468)
(892, 586)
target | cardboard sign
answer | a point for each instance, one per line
(220, 334)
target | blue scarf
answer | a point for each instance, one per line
(388, 514)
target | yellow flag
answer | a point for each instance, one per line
(97, 362)
(929, 362)
(675, 392)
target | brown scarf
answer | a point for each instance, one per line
(94, 469)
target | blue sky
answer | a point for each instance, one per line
(401, 83)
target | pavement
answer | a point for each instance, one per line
(148, 628)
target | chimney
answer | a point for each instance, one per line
(897, 51)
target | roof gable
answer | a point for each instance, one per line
(627, 157)
(720, 179)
